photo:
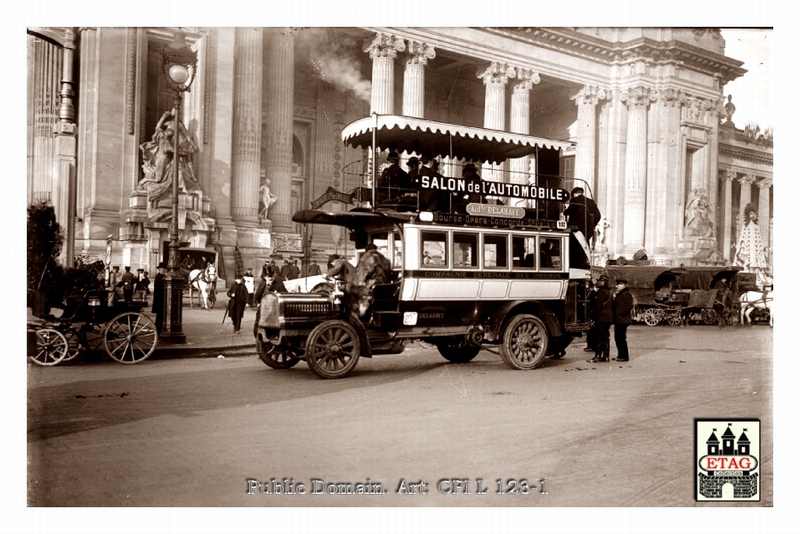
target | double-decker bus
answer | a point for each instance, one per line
(493, 266)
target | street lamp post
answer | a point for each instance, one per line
(179, 66)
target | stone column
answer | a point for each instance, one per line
(495, 78)
(764, 187)
(46, 68)
(520, 119)
(414, 78)
(246, 164)
(64, 172)
(383, 50)
(586, 137)
(727, 215)
(279, 128)
(637, 99)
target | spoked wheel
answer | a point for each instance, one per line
(709, 316)
(333, 349)
(273, 357)
(675, 318)
(74, 343)
(457, 350)
(130, 337)
(652, 317)
(51, 347)
(524, 342)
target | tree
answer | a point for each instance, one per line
(44, 246)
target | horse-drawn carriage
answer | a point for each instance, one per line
(677, 295)
(88, 322)
(198, 266)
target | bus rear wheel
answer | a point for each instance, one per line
(524, 343)
(457, 350)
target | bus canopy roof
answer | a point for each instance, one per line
(397, 132)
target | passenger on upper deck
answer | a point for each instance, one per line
(393, 181)
(472, 195)
(430, 199)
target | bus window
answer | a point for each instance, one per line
(434, 249)
(495, 251)
(524, 252)
(550, 253)
(465, 250)
(398, 251)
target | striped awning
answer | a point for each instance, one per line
(422, 136)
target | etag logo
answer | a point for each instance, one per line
(727, 460)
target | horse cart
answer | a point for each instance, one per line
(90, 323)
(198, 266)
(678, 295)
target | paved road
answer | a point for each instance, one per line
(190, 432)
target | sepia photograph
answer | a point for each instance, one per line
(366, 273)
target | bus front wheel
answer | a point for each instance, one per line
(524, 342)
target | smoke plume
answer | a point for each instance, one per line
(334, 60)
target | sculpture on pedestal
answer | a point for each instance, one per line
(697, 214)
(158, 158)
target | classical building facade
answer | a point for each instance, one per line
(654, 143)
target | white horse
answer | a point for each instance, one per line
(203, 280)
(752, 300)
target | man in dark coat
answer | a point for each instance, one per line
(237, 303)
(158, 296)
(393, 181)
(127, 282)
(623, 307)
(582, 212)
(603, 318)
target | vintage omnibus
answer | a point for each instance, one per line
(501, 274)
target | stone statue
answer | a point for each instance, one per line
(750, 252)
(697, 214)
(158, 159)
(267, 199)
(729, 110)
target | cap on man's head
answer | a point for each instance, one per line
(161, 265)
(393, 156)
(413, 162)
(602, 277)
(621, 281)
(577, 190)
(470, 167)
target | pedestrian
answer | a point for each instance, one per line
(113, 276)
(249, 284)
(623, 307)
(286, 270)
(270, 281)
(158, 296)
(582, 213)
(313, 269)
(142, 285)
(237, 294)
(294, 270)
(603, 314)
(127, 283)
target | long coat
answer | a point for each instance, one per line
(602, 306)
(584, 214)
(623, 306)
(238, 295)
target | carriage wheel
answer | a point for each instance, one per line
(709, 316)
(674, 318)
(652, 317)
(51, 347)
(524, 342)
(74, 343)
(333, 349)
(273, 357)
(130, 337)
